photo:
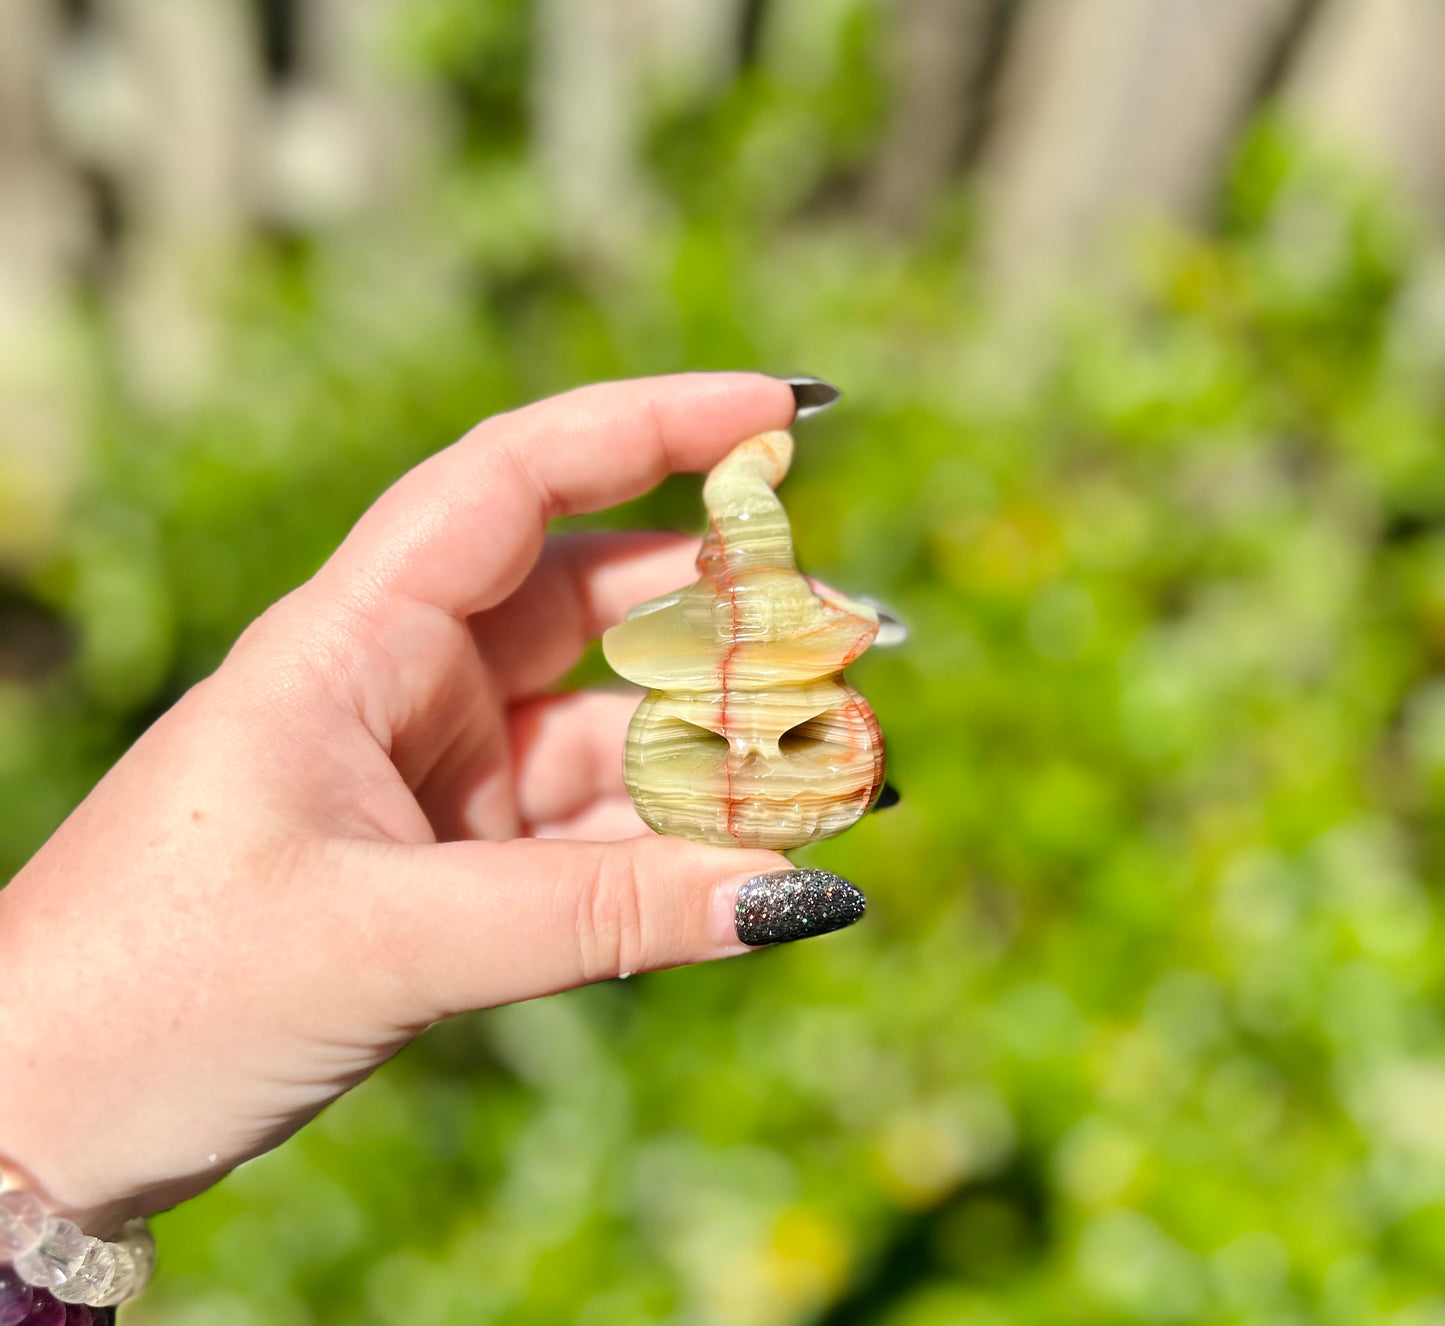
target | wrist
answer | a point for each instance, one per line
(47, 1260)
(55, 1141)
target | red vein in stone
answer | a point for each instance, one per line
(723, 581)
(726, 664)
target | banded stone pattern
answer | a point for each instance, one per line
(749, 735)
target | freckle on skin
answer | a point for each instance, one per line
(196, 817)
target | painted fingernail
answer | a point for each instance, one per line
(811, 396)
(794, 904)
(892, 629)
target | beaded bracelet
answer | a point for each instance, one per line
(53, 1274)
(24, 1305)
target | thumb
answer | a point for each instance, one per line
(479, 923)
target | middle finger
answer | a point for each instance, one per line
(581, 585)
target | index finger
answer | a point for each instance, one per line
(461, 530)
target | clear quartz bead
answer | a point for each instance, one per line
(136, 1235)
(92, 1278)
(22, 1221)
(125, 1283)
(135, 1259)
(55, 1259)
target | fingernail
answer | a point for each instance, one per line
(892, 629)
(811, 396)
(794, 904)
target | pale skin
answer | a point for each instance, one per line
(372, 816)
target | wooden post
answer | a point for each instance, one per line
(601, 66)
(1116, 106)
(349, 135)
(937, 57)
(187, 195)
(585, 126)
(1369, 79)
(42, 232)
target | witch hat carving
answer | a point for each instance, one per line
(749, 735)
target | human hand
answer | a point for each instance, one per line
(372, 817)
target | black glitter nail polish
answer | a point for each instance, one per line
(811, 396)
(795, 904)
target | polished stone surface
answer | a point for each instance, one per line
(749, 735)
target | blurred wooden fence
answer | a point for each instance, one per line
(144, 139)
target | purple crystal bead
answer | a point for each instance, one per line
(16, 1297)
(47, 1311)
(77, 1314)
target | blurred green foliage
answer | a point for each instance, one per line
(1144, 1022)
